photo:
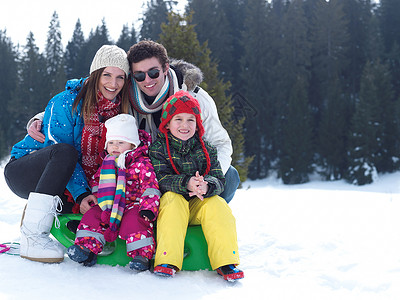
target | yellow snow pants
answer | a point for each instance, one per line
(216, 220)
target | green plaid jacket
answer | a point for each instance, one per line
(188, 158)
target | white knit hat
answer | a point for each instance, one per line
(110, 56)
(122, 128)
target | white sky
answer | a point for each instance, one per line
(22, 16)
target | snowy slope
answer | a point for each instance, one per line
(313, 241)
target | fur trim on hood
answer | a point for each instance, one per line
(192, 75)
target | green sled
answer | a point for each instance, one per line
(113, 254)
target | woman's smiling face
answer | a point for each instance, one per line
(111, 82)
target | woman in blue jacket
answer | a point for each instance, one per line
(73, 125)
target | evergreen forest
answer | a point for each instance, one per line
(303, 87)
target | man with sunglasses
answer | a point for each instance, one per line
(154, 78)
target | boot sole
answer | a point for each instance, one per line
(164, 271)
(44, 260)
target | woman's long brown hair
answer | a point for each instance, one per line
(88, 95)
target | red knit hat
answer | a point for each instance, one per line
(183, 102)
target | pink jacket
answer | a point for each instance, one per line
(141, 181)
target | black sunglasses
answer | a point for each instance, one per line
(140, 76)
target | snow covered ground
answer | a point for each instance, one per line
(320, 240)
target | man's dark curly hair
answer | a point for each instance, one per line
(148, 49)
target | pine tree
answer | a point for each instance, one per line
(389, 20)
(179, 31)
(276, 88)
(99, 37)
(55, 57)
(255, 78)
(296, 156)
(329, 39)
(331, 105)
(389, 17)
(358, 14)
(155, 14)
(366, 134)
(8, 79)
(374, 46)
(73, 53)
(31, 96)
(96, 39)
(203, 16)
(389, 149)
(332, 135)
(232, 29)
(133, 35)
(127, 38)
(220, 22)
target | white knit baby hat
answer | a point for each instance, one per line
(110, 56)
(123, 128)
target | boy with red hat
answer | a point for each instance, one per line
(190, 179)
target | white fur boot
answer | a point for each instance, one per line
(35, 228)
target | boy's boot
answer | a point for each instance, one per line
(36, 223)
(230, 273)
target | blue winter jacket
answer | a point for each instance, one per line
(60, 125)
